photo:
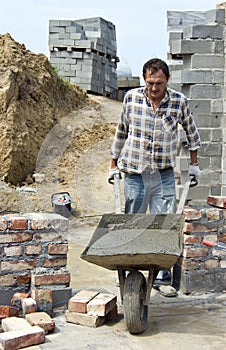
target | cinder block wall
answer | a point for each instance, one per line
(33, 250)
(85, 53)
(197, 63)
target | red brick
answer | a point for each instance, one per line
(23, 279)
(28, 305)
(222, 237)
(84, 319)
(13, 251)
(190, 239)
(55, 249)
(8, 311)
(15, 237)
(18, 223)
(78, 303)
(14, 324)
(101, 304)
(197, 227)
(22, 338)
(48, 236)
(190, 265)
(213, 214)
(42, 296)
(191, 213)
(55, 262)
(211, 264)
(195, 252)
(6, 280)
(17, 299)
(41, 319)
(217, 201)
(18, 265)
(3, 224)
(34, 249)
(56, 278)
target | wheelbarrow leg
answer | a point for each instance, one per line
(150, 281)
(121, 277)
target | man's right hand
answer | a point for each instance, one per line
(113, 172)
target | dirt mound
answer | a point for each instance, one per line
(53, 128)
(32, 100)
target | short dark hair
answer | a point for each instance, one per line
(154, 65)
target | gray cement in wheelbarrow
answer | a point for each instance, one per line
(136, 241)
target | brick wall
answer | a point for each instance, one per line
(202, 268)
(33, 250)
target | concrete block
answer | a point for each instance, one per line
(78, 303)
(54, 29)
(101, 305)
(209, 121)
(15, 323)
(205, 134)
(196, 76)
(203, 32)
(200, 91)
(210, 149)
(175, 36)
(182, 163)
(215, 16)
(84, 319)
(185, 47)
(206, 61)
(41, 319)
(216, 106)
(218, 76)
(54, 23)
(18, 339)
(66, 23)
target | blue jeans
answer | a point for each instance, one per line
(156, 191)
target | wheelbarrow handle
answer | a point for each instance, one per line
(116, 176)
(193, 181)
(190, 182)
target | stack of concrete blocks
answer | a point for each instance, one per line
(197, 63)
(84, 52)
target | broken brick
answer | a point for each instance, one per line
(18, 339)
(78, 303)
(8, 311)
(101, 304)
(41, 319)
(84, 319)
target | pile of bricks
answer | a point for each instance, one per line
(84, 52)
(91, 308)
(22, 325)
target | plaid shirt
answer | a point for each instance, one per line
(147, 140)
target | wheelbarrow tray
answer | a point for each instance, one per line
(128, 241)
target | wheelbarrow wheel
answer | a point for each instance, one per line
(135, 312)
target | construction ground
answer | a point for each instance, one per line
(74, 157)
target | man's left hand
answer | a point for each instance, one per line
(194, 170)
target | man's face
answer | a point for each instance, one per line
(155, 85)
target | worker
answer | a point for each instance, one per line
(145, 143)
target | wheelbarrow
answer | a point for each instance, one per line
(132, 243)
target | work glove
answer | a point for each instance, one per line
(113, 172)
(194, 170)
